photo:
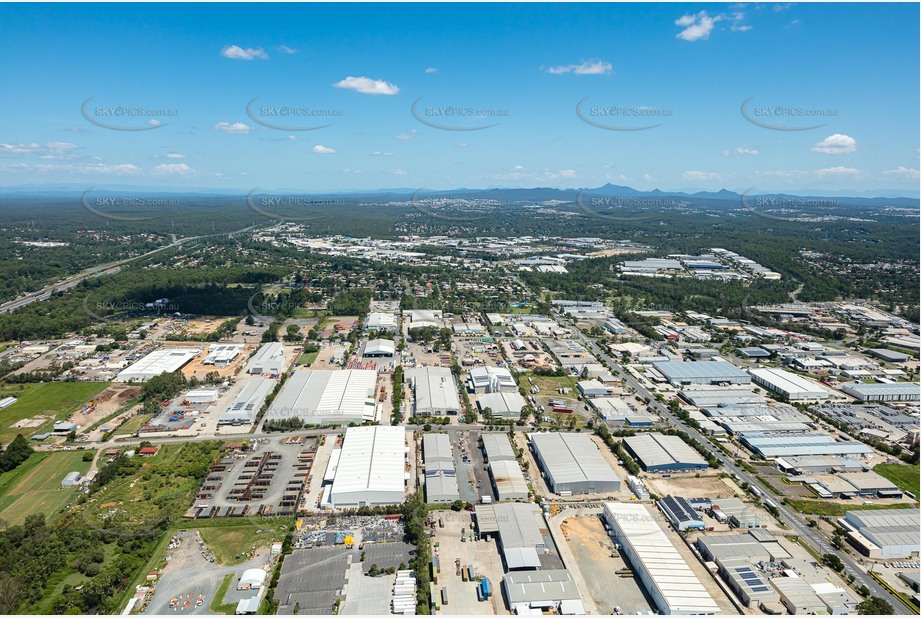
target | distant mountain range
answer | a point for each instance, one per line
(537, 194)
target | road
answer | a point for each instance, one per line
(794, 520)
(109, 268)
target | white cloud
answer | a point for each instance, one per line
(175, 155)
(54, 148)
(286, 50)
(694, 175)
(696, 27)
(320, 149)
(903, 172)
(782, 6)
(740, 27)
(409, 135)
(378, 153)
(236, 127)
(235, 52)
(838, 170)
(739, 152)
(591, 67)
(568, 173)
(397, 172)
(366, 85)
(837, 144)
(431, 70)
(461, 145)
(178, 169)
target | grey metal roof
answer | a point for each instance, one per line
(540, 586)
(497, 446)
(572, 458)
(713, 370)
(434, 389)
(657, 450)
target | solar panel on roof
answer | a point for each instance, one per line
(759, 588)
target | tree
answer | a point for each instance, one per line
(833, 561)
(874, 606)
(457, 505)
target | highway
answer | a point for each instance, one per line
(794, 520)
(109, 268)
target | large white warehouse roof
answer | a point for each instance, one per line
(371, 467)
(667, 576)
(164, 360)
(327, 396)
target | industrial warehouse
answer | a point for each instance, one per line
(657, 452)
(440, 475)
(371, 468)
(518, 529)
(327, 397)
(784, 446)
(502, 404)
(789, 385)
(269, 360)
(491, 380)
(886, 533)
(221, 355)
(665, 574)
(164, 360)
(434, 391)
(246, 405)
(896, 391)
(572, 464)
(680, 373)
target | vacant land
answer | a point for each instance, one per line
(232, 544)
(55, 400)
(827, 507)
(132, 425)
(35, 486)
(905, 476)
(307, 358)
(690, 486)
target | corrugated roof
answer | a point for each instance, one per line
(572, 458)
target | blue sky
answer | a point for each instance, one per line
(189, 72)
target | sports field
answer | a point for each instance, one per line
(35, 486)
(55, 400)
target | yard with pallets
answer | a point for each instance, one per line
(52, 400)
(35, 486)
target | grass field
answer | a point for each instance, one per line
(228, 542)
(217, 606)
(823, 507)
(35, 486)
(53, 399)
(905, 476)
(133, 424)
(307, 358)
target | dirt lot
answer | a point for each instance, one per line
(599, 563)
(324, 359)
(534, 349)
(689, 487)
(345, 324)
(107, 403)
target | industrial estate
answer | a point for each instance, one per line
(548, 395)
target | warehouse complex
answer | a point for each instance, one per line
(491, 380)
(268, 360)
(325, 397)
(440, 474)
(504, 404)
(530, 592)
(518, 529)
(664, 573)
(434, 391)
(222, 354)
(657, 452)
(572, 464)
(680, 373)
(497, 447)
(771, 446)
(164, 360)
(896, 391)
(380, 348)
(789, 385)
(246, 405)
(886, 533)
(371, 468)
(382, 321)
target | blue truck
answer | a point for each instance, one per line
(486, 587)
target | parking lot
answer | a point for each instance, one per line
(483, 555)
